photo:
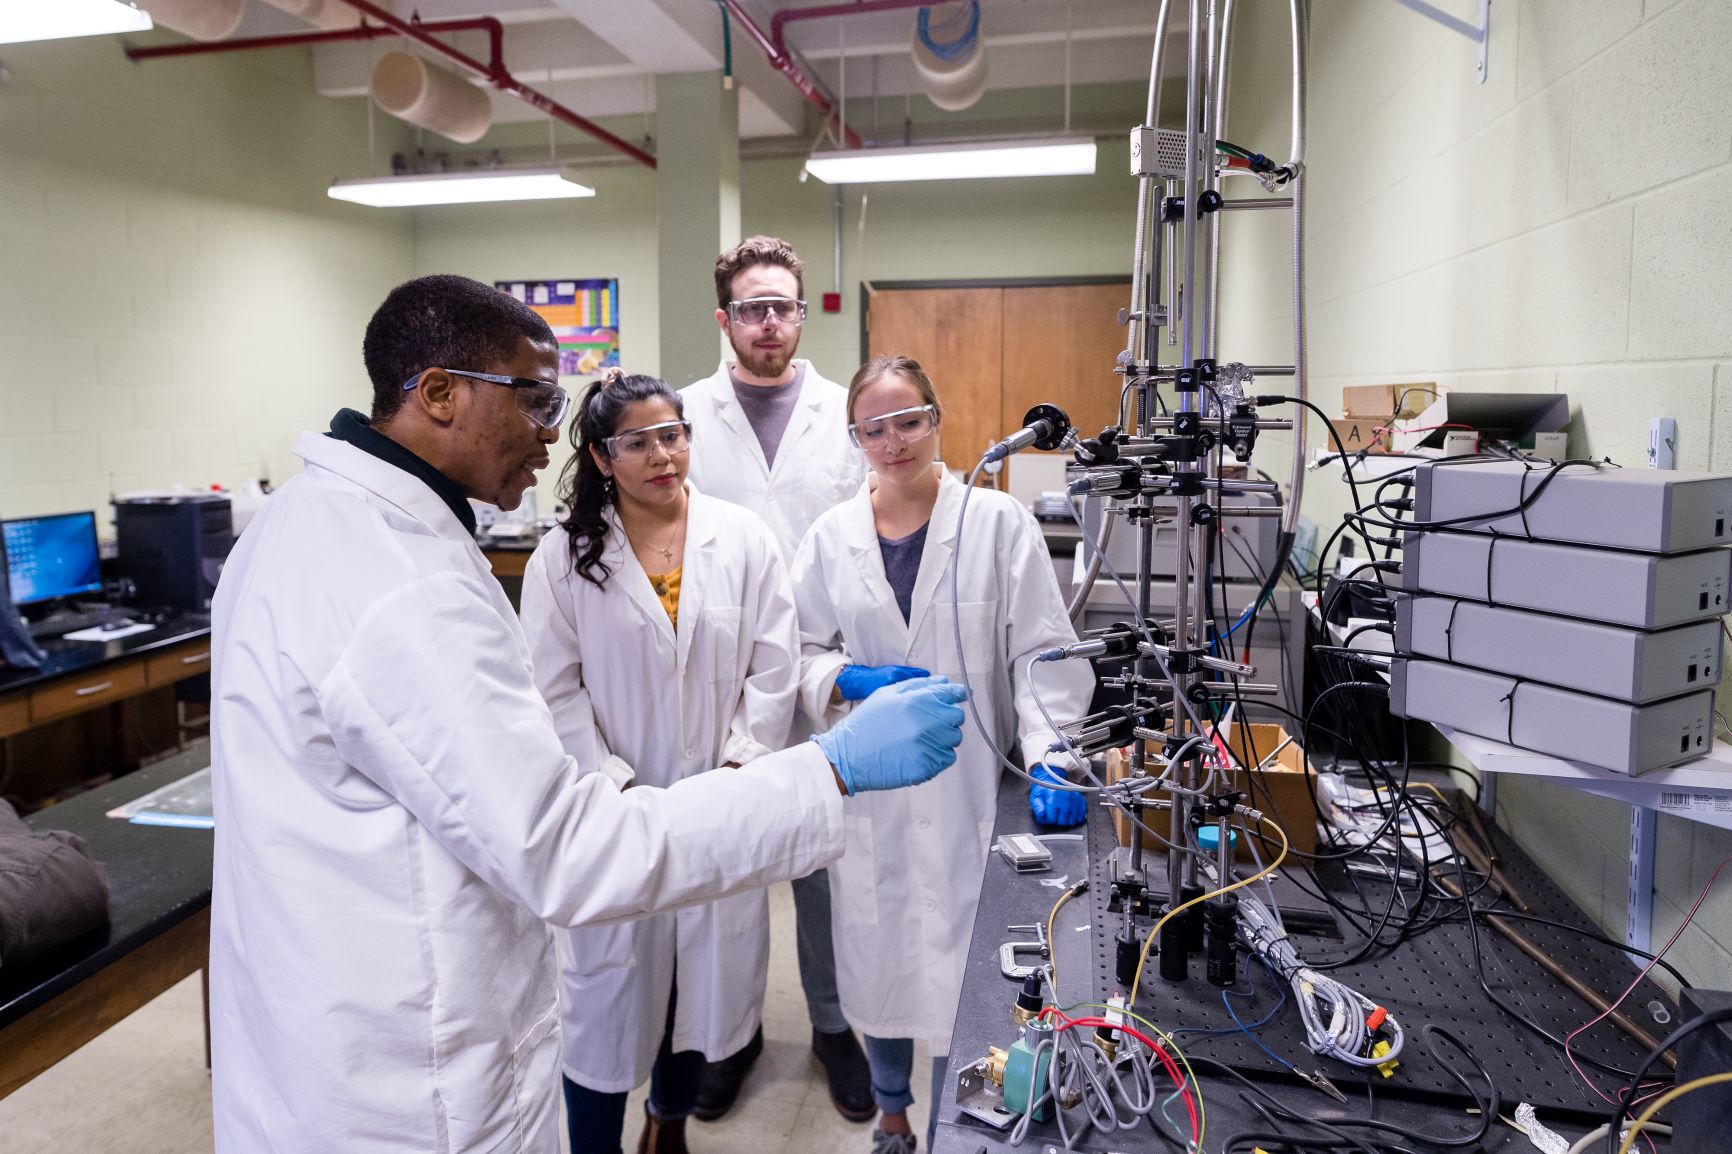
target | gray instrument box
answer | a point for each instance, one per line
(1245, 552)
(1626, 664)
(1633, 589)
(1613, 735)
(1652, 510)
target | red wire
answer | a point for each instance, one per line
(1172, 1068)
(1638, 981)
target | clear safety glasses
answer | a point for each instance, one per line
(757, 310)
(541, 402)
(673, 438)
(905, 425)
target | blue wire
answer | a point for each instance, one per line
(1226, 995)
(1281, 1001)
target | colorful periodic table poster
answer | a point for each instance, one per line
(584, 315)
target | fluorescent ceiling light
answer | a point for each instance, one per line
(1049, 157)
(22, 20)
(471, 187)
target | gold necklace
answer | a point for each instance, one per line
(667, 551)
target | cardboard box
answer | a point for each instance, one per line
(1362, 433)
(1380, 400)
(1280, 791)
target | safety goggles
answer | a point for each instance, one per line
(674, 438)
(757, 310)
(541, 402)
(906, 425)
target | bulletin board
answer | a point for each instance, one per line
(584, 315)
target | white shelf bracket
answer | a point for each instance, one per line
(1480, 35)
(1639, 907)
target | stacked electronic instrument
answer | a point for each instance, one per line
(1568, 608)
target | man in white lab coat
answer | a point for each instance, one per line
(397, 822)
(770, 433)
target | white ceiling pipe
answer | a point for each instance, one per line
(431, 97)
(952, 85)
(200, 19)
(320, 13)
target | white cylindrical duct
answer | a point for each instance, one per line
(322, 13)
(430, 97)
(950, 54)
(200, 19)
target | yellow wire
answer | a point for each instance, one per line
(1051, 947)
(1202, 1113)
(1674, 1092)
(1143, 958)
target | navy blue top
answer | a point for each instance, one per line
(902, 565)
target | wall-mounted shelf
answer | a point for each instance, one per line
(1698, 791)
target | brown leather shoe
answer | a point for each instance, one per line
(661, 1137)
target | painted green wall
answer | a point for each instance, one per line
(178, 297)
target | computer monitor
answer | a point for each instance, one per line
(50, 557)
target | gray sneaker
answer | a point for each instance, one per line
(883, 1143)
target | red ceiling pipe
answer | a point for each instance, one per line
(783, 61)
(494, 71)
(818, 12)
(485, 24)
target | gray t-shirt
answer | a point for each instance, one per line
(902, 566)
(768, 408)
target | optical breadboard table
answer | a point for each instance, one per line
(1426, 979)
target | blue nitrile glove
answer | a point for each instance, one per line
(858, 682)
(902, 736)
(1055, 806)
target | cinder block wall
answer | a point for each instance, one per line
(1564, 227)
(178, 297)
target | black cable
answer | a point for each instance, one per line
(1628, 1095)
(1369, 626)
(1551, 474)
(1515, 1014)
(1625, 947)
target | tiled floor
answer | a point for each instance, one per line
(141, 1088)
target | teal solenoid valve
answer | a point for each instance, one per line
(1025, 1074)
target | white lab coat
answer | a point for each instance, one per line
(623, 683)
(816, 468)
(396, 824)
(906, 887)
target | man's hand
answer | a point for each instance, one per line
(901, 736)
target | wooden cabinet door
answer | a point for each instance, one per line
(957, 335)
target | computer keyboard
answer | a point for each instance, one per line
(62, 623)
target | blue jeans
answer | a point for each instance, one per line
(816, 951)
(892, 1062)
(595, 1121)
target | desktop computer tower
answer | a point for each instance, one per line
(173, 548)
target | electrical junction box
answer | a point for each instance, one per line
(1639, 590)
(1158, 152)
(1608, 660)
(1561, 723)
(1699, 1117)
(1654, 511)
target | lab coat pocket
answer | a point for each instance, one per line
(534, 1078)
(980, 641)
(722, 625)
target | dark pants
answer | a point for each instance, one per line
(595, 1121)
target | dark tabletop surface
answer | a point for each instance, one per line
(66, 657)
(157, 877)
(984, 1016)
